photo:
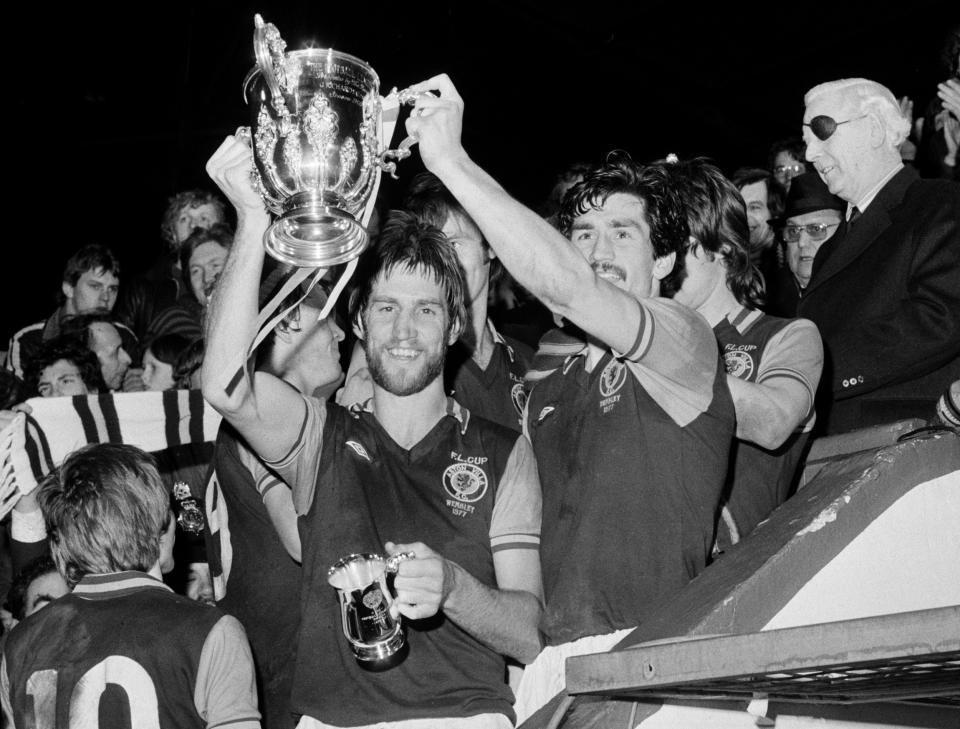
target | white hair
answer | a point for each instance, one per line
(868, 97)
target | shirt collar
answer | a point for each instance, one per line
(498, 338)
(116, 584)
(872, 192)
(453, 409)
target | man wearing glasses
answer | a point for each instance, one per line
(786, 161)
(812, 216)
(885, 289)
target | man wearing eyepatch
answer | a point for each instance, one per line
(885, 290)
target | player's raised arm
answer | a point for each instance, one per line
(536, 254)
(265, 410)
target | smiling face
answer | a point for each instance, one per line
(845, 161)
(406, 331)
(205, 265)
(615, 240)
(757, 199)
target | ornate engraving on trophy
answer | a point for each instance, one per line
(266, 143)
(348, 161)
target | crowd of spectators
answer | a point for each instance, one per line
(657, 345)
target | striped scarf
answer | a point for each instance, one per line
(34, 445)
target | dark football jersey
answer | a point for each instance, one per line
(446, 491)
(760, 348)
(123, 651)
(255, 580)
(497, 392)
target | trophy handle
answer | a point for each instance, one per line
(264, 36)
(398, 154)
(387, 160)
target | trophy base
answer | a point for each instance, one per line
(378, 656)
(315, 237)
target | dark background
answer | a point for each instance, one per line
(111, 109)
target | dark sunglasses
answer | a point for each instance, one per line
(823, 127)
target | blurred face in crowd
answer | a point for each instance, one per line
(157, 375)
(114, 360)
(60, 379)
(615, 240)
(845, 160)
(472, 252)
(317, 345)
(802, 244)
(206, 264)
(196, 216)
(786, 167)
(755, 196)
(42, 591)
(406, 331)
(96, 289)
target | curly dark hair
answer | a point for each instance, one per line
(653, 184)
(71, 348)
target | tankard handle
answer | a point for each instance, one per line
(393, 563)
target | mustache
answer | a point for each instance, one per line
(606, 267)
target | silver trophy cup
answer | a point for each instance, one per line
(317, 138)
(374, 634)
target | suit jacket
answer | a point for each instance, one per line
(885, 294)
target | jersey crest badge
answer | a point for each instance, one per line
(612, 378)
(465, 482)
(738, 364)
(359, 450)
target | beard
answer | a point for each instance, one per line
(403, 382)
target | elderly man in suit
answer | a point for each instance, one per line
(885, 290)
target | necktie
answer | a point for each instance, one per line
(854, 214)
